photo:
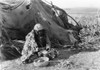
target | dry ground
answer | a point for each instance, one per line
(67, 60)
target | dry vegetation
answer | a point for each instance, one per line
(90, 34)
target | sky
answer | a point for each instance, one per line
(76, 3)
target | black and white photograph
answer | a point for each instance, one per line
(49, 34)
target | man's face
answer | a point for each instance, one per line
(41, 33)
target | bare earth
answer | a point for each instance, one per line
(67, 60)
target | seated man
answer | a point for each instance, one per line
(41, 37)
(37, 39)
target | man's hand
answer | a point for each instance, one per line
(47, 47)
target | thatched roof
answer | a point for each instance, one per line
(20, 16)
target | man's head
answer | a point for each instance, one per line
(39, 29)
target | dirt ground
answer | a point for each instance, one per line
(67, 60)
